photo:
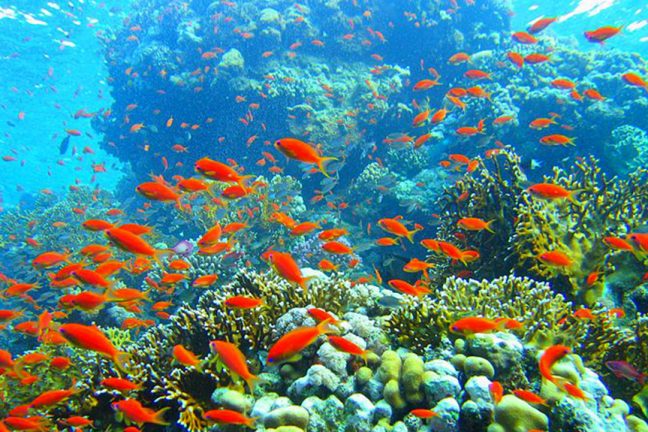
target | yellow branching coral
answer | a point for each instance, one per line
(603, 207)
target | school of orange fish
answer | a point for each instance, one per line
(94, 268)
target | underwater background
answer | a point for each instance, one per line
(324, 215)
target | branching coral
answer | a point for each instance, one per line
(532, 303)
(603, 207)
(188, 390)
(525, 226)
(491, 193)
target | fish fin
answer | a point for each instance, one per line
(488, 226)
(322, 161)
(243, 179)
(324, 327)
(158, 417)
(253, 380)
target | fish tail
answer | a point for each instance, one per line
(243, 179)
(324, 327)
(572, 199)
(252, 382)
(158, 417)
(322, 161)
(121, 360)
(488, 226)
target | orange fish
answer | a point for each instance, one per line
(524, 38)
(540, 25)
(475, 224)
(235, 361)
(549, 357)
(555, 259)
(535, 58)
(120, 384)
(476, 74)
(438, 117)
(50, 398)
(228, 417)
(550, 191)
(420, 118)
(541, 123)
(473, 325)
(320, 315)
(93, 339)
(243, 302)
(425, 84)
(185, 357)
(574, 391)
(515, 58)
(303, 152)
(295, 341)
(423, 413)
(130, 242)
(335, 247)
(593, 94)
(387, 241)
(49, 259)
(219, 171)
(415, 265)
(136, 413)
(563, 83)
(395, 227)
(640, 240)
(496, 391)
(96, 225)
(458, 58)
(345, 345)
(635, 80)
(557, 139)
(529, 396)
(205, 281)
(617, 243)
(304, 228)
(407, 288)
(602, 34)
(286, 267)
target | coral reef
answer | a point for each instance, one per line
(603, 207)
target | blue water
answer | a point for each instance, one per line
(61, 38)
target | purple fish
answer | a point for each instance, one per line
(184, 248)
(623, 369)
